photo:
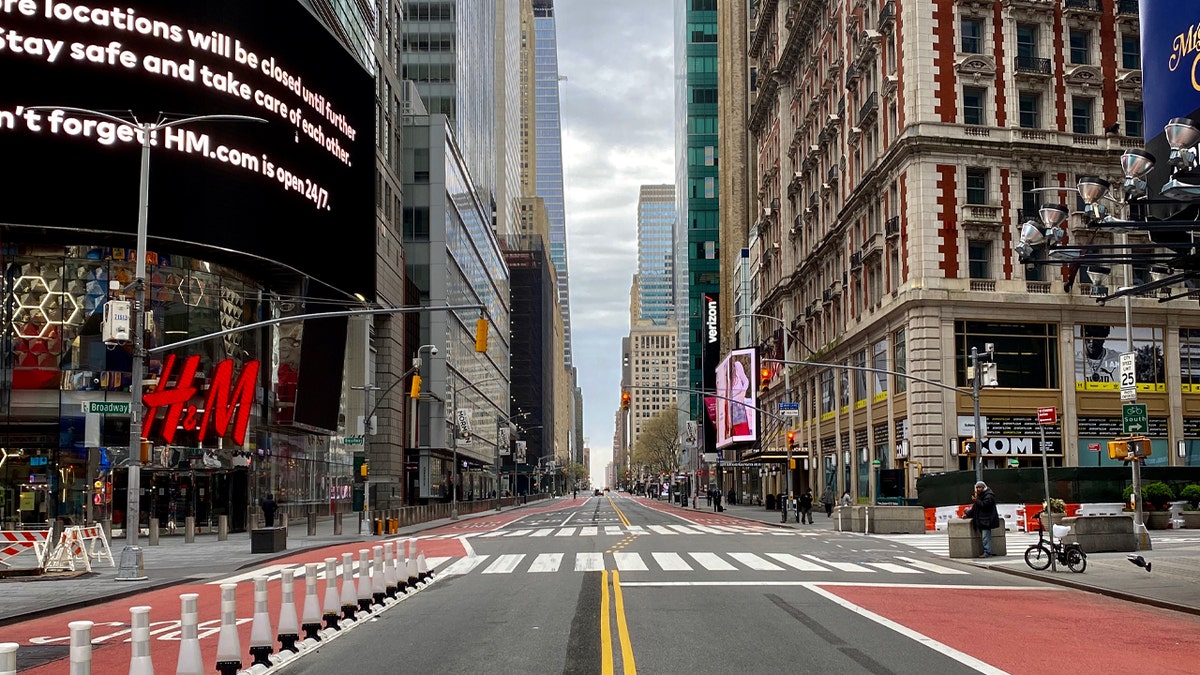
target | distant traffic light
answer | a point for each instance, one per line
(415, 392)
(764, 379)
(481, 334)
(624, 400)
(791, 440)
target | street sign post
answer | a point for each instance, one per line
(106, 407)
(1128, 377)
(1133, 418)
(1048, 415)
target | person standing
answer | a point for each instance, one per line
(984, 515)
(827, 501)
(268, 508)
(717, 500)
(846, 499)
(806, 504)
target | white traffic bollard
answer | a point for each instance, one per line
(8, 658)
(422, 568)
(389, 569)
(378, 585)
(189, 662)
(311, 618)
(229, 644)
(262, 645)
(289, 627)
(410, 570)
(331, 605)
(349, 604)
(139, 642)
(81, 647)
(364, 580)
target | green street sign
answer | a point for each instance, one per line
(106, 407)
(353, 440)
(1133, 418)
(876, 463)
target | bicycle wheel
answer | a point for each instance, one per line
(1037, 557)
(1076, 560)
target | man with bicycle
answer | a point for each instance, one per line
(983, 515)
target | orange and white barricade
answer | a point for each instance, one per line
(14, 542)
(95, 544)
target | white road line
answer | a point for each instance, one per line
(661, 529)
(545, 532)
(845, 567)
(518, 533)
(931, 567)
(684, 529)
(797, 562)
(613, 530)
(965, 659)
(505, 564)
(636, 529)
(587, 531)
(546, 562)
(755, 563)
(707, 530)
(261, 572)
(729, 529)
(630, 562)
(566, 532)
(493, 533)
(464, 565)
(589, 562)
(712, 562)
(893, 568)
(671, 562)
(432, 563)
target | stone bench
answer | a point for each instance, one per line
(965, 541)
(1100, 534)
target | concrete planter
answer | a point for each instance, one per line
(1191, 519)
(1158, 520)
(1099, 534)
(965, 541)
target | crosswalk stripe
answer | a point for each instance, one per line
(246, 576)
(587, 531)
(684, 529)
(630, 562)
(893, 568)
(931, 567)
(662, 529)
(433, 562)
(707, 530)
(545, 532)
(505, 564)
(845, 567)
(636, 529)
(589, 562)
(797, 562)
(565, 532)
(712, 562)
(518, 533)
(546, 562)
(755, 563)
(464, 565)
(613, 529)
(493, 533)
(671, 562)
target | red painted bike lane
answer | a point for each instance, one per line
(1035, 630)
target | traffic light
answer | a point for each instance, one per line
(415, 392)
(1125, 449)
(970, 448)
(764, 379)
(481, 334)
(791, 440)
(624, 400)
(144, 449)
(1118, 449)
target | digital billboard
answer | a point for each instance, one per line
(737, 398)
(298, 189)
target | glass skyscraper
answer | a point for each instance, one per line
(656, 254)
(548, 148)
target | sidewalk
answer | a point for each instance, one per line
(1173, 583)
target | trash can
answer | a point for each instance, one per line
(770, 502)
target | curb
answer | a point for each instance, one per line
(1100, 590)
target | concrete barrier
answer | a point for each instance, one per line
(1099, 534)
(965, 541)
(222, 528)
(895, 519)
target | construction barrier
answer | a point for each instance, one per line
(15, 542)
(79, 546)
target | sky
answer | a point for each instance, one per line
(618, 134)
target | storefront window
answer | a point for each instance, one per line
(1189, 360)
(1098, 350)
(1026, 354)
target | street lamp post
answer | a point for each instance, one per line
(132, 567)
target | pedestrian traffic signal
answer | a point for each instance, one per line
(481, 334)
(415, 392)
(1126, 449)
(970, 448)
(624, 400)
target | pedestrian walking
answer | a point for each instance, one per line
(984, 515)
(806, 504)
(827, 501)
(269, 507)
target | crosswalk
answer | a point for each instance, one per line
(939, 544)
(626, 530)
(669, 561)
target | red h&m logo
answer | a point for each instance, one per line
(223, 404)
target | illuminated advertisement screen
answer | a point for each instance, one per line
(737, 398)
(298, 189)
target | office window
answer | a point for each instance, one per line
(1133, 119)
(977, 186)
(1081, 46)
(973, 101)
(1131, 52)
(1081, 114)
(1027, 35)
(1031, 199)
(1030, 105)
(972, 35)
(899, 362)
(978, 255)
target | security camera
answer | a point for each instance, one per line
(433, 351)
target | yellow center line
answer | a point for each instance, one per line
(622, 626)
(606, 665)
(620, 514)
